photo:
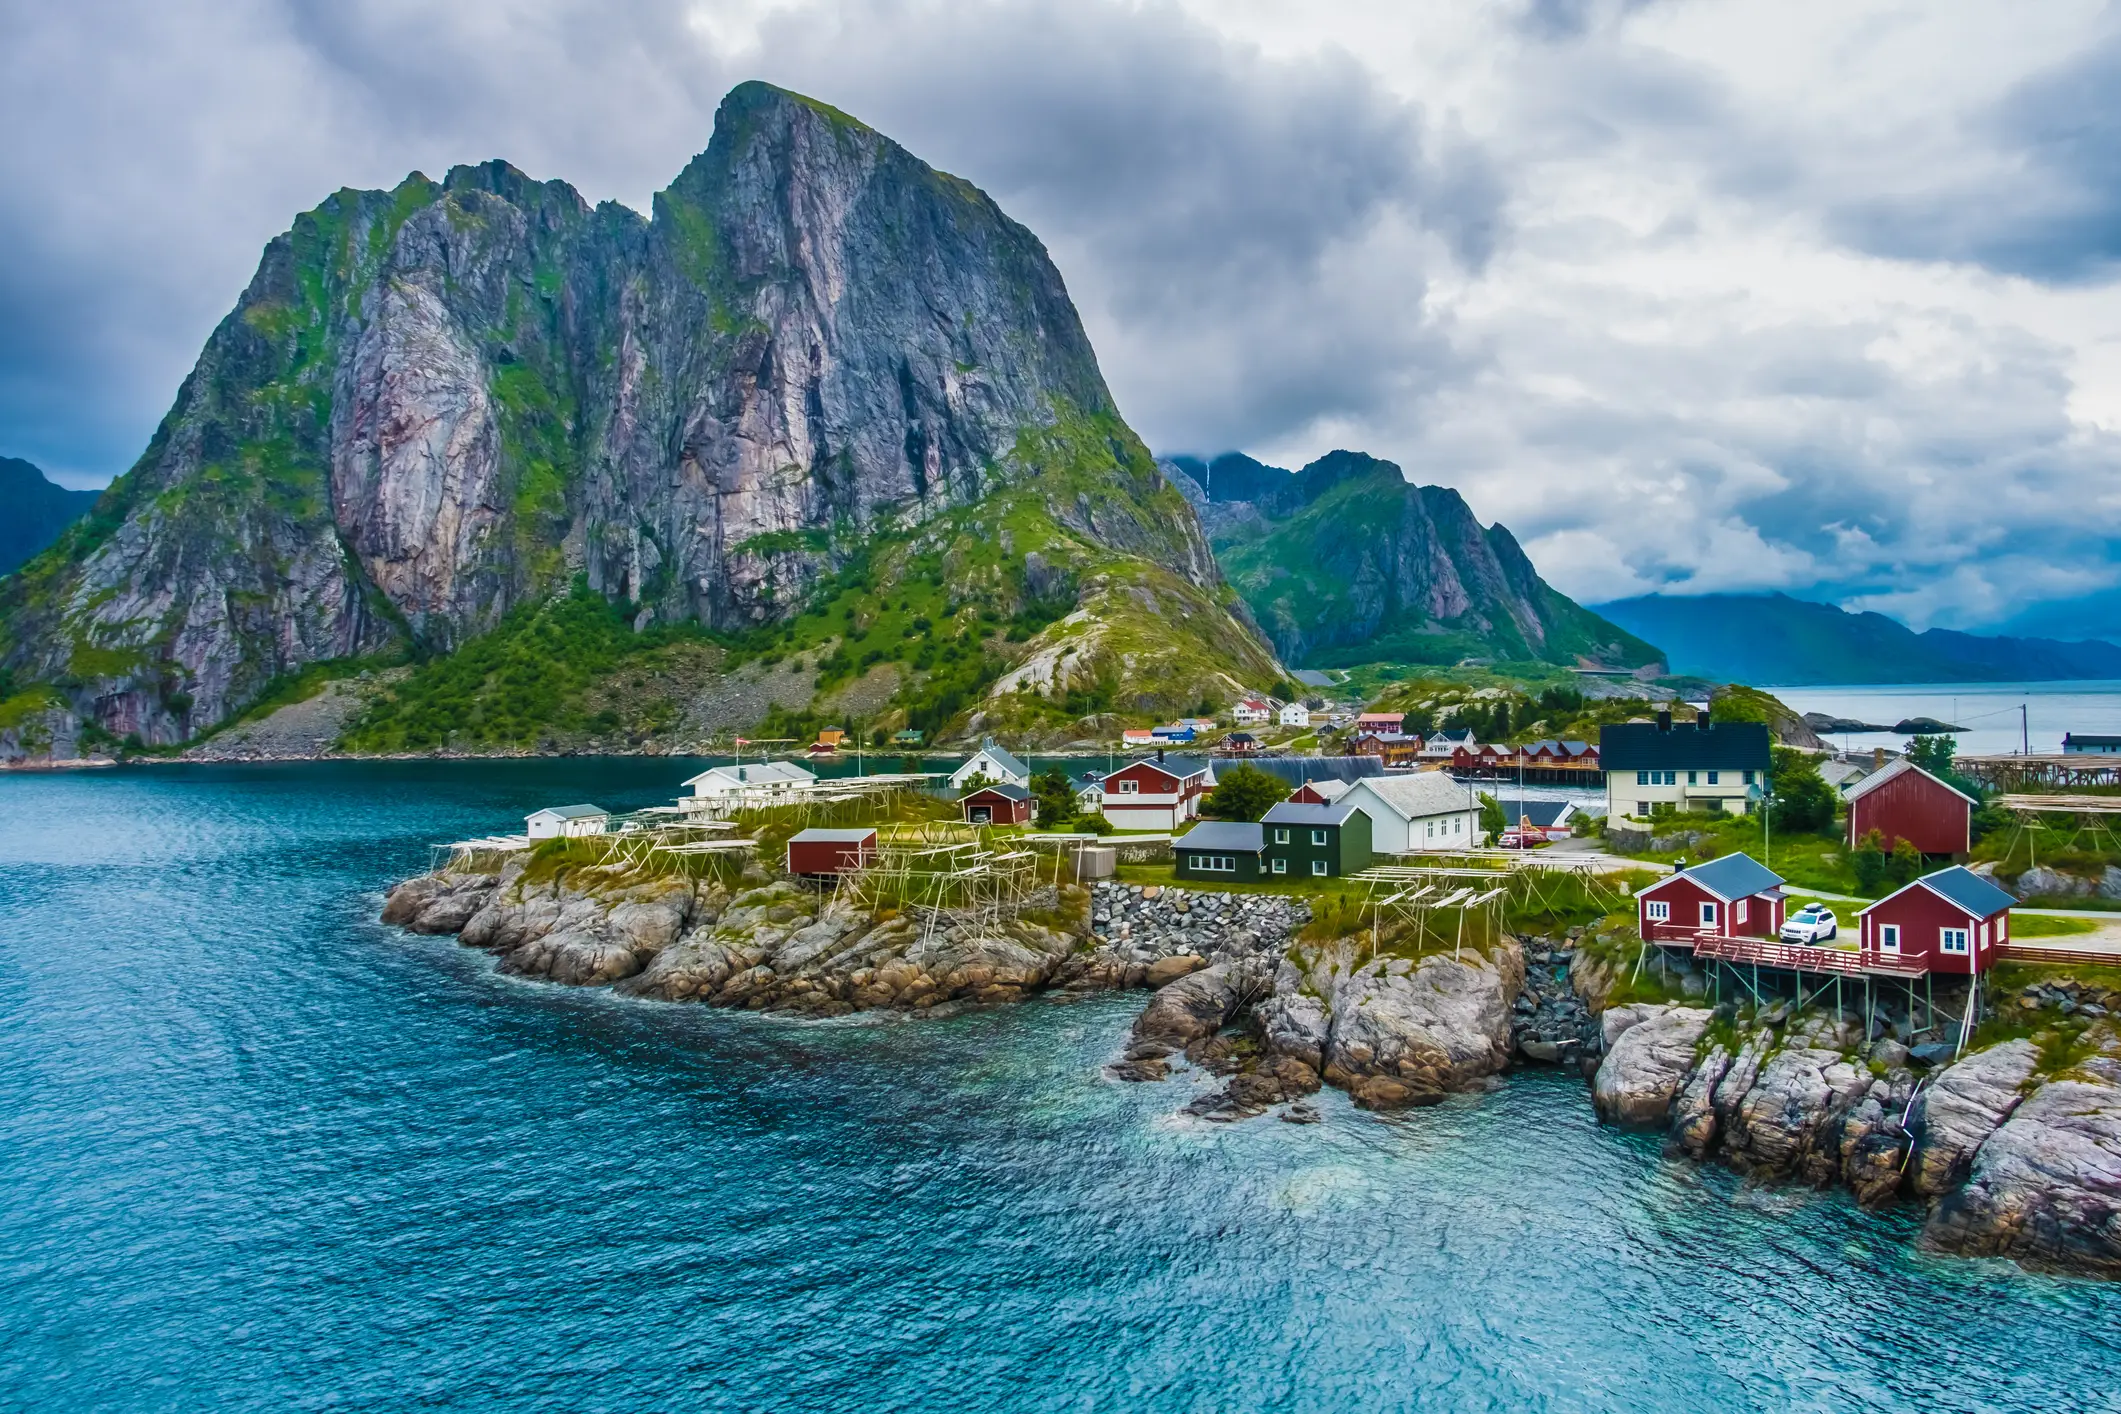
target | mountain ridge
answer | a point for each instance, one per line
(39, 510)
(437, 405)
(1345, 562)
(1777, 639)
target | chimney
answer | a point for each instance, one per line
(1664, 719)
(1877, 758)
(1701, 720)
(1159, 756)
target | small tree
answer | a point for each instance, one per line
(1868, 860)
(1056, 799)
(1244, 793)
(1491, 817)
(1904, 865)
(1094, 824)
(1285, 690)
(1802, 800)
(1933, 754)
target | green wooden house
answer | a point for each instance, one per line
(1221, 851)
(1316, 841)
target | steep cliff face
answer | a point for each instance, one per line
(1346, 562)
(440, 402)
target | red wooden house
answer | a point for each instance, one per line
(1393, 748)
(1319, 792)
(1157, 792)
(1732, 897)
(1902, 801)
(1002, 804)
(1951, 921)
(830, 851)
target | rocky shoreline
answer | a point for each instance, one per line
(2015, 1149)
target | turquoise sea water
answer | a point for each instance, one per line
(259, 1153)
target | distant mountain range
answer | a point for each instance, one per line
(1775, 640)
(36, 511)
(1346, 562)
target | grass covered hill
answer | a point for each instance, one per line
(1345, 562)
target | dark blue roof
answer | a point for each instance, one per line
(1232, 835)
(1734, 876)
(1968, 890)
(1540, 812)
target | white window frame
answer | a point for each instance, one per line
(1642, 778)
(1889, 937)
(1657, 910)
(1129, 787)
(1947, 936)
(1281, 866)
(1318, 837)
(1318, 868)
(1712, 777)
(1708, 915)
(1281, 834)
(1738, 911)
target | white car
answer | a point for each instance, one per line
(1813, 923)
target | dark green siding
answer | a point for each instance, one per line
(1248, 866)
(1346, 850)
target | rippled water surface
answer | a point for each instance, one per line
(257, 1152)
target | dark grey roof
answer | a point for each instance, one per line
(1004, 758)
(1290, 814)
(1734, 876)
(1645, 746)
(1295, 770)
(1968, 890)
(2081, 739)
(1179, 766)
(573, 812)
(1007, 789)
(1233, 835)
(1540, 812)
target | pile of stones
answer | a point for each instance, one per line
(1142, 922)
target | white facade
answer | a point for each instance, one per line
(1295, 714)
(1250, 713)
(1424, 811)
(565, 822)
(1645, 794)
(761, 780)
(993, 763)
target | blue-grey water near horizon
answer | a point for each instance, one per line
(263, 1153)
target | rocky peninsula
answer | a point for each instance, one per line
(2013, 1148)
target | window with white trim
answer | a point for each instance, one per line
(1738, 911)
(1708, 915)
(1129, 787)
(1712, 777)
(1281, 866)
(1215, 863)
(1318, 867)
(1952, 940)
(1657, 910)
(1642, 778)
(1318, 837)
(1889, 937)
(1281, 834)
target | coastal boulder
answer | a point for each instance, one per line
(1647, 1064)
(438, 903)
(2045, 1187)
(1396, 1040)
(1788, 1124)
(1962, 1108)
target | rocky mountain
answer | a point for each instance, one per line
(818, 367)
(36, 511)
(1346, 562)
(1776, 639)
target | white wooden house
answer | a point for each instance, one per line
(994, 764)
(566, 822)
(1251, 713)
(1295, 714)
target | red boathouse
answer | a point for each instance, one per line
(1952, 921)
(1732, 897)
(830, 851)
(1003, 804)
(1901, 801)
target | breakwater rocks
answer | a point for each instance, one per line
(781, 947)
(2015, 1147)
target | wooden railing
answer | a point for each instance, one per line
(1798, 958)
(2019, 952)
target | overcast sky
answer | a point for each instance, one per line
(1818, 295)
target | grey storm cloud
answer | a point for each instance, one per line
(1639, 292)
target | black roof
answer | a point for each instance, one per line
(1232, 835)
(1648, 746)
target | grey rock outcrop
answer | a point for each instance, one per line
(1963, 1105)
(1399, 1038)
(1645, 1066)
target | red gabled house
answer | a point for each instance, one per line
(1004, 803)
(1732, 897)
(1157, 792)
(816, 851)
(1901, 801)
(1952, 921)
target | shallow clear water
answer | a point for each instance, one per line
(257, 1152)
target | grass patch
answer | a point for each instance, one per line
(2032, 925)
